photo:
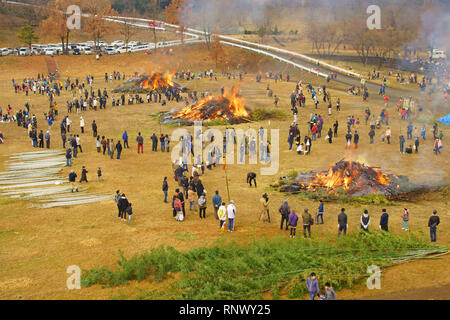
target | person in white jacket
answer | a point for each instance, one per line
(231, 212)
(82, 124)
(222, 213)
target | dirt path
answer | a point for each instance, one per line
(51, 66)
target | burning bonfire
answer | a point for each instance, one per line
(353, 178)
(229, 107)
(156, 81)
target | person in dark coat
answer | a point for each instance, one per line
(342, 222)
(284, 211)
(123, 204)
(119, 149)
(154, 142)
(83, 175)
(384, 221)
(251, 176)
(433, 222)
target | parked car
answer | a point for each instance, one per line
(109, 51)
(50, 52)
(23, 51)
(123, 49)
(87, 50)
(117, 43)
(6, 51)
(76, 52)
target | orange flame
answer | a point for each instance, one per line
(230, 105)
(157, 80)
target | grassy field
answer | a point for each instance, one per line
(37, 246)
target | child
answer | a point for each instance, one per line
(99, 174)
(129, 211)
(405, 218)
(322, 296)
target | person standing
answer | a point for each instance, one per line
(307, 221)
(231, 213)
(433, 222)
(47, 140)
(82, 124)
(154, 142)
(216, 200)
(222, 213)
(388, 135)
(293, 219)
(140, 141)
(405, 218)
(284, 211)
(320, 213)
(112, 148)
(202, 206)
(402, 143)
(264, 201)
(68, 157)
(165, 189)
(191, 199)
(356, 139)
(119, 149)
(94, 128)
(365, 221)
(312, 284)
(342, 223)
(125, 139)
(384, 221)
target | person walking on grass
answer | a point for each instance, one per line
(216, 200)
(119, 149)
(264, 202)
(84, 175)
(222, 213)
(307, 222)
(320, 213)
(384, 221)
(72, 180)
(99, 174)
(312, 284)
(284, 211)
(202, 206)
(140, 141)
(433, 222)
(405, 218)
(68, 157)
(165, 189)
(293, 219)
(231, 213)
(365, 221)
(125, 139)
(342, 223)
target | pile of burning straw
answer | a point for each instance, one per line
(352, 178)
(156, 81)
(230, 107)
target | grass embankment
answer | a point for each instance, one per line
(232, 271)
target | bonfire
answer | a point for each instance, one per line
(230, 107)
(156, 81)
(352, 178)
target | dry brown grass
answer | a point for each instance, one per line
(38, 245)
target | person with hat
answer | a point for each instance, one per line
(222, 213)
(433, 222)
(264, 207)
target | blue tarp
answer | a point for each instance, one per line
(445, 120)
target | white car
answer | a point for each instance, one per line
(132, 43)
(118, 43)
(6, 51)
(87, 50)
(24, 51)
(102, 44)
(50, 52)
(110, 51)
(123, 49)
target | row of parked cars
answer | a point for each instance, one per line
(88, 47)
